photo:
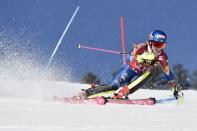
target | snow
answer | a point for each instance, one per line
(29, 106)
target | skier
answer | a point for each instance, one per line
(143, 57)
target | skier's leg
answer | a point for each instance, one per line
(123, 77)
(140, 81)
(134, 85)
(98, 89)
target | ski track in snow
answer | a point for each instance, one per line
(29, 106)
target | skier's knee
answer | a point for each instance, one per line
(115, 85)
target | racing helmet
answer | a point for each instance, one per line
(157, 36)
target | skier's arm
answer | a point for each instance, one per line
(163, 60)
(138, 49)
(170, 77)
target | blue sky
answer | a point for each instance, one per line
(97, 24)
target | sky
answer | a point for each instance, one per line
(97, 24)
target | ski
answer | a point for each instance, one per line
(65, 100)
(146, 101)
(171, 100)
(104, 101)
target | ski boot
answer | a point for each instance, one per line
(81, 95)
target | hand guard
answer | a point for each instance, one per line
(146, 58)
(121, 93)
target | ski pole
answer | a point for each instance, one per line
(100, 49)
(61, 38)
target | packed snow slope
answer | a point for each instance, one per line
(29, 106)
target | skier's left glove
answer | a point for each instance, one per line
(121, 93)
(175, 90)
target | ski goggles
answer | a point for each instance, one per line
(158, 45)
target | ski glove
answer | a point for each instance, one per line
(175, 90)
(121, 93)
(146, 58)
(177, 94)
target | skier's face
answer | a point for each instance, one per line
(157, 46)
